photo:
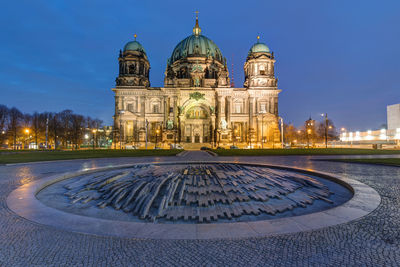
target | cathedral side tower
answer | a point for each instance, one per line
(261, 84)
(259, 67)
(134, 66)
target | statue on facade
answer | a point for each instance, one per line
(170, 124)
(196, 82)
(223, 124)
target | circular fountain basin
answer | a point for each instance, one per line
(193, 200)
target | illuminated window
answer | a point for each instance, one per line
(238, 108)
(130, 107)
(155, 107)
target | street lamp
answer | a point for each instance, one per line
(326, 129)
(157, 131)
(308, 137)
(94, 137)
(27, 137)
(281, 119)
(146, 126)
(120, 113)
(262, 128)
(234, 136)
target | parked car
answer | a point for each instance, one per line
(220, 147)
(204, 148)
(234, 147)
(175, 146)
(130, 147)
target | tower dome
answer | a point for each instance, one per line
(134, 66)
(259, 47)
(134, 46)
(196, 45)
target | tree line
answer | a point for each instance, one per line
(311, 133)
(64, 129)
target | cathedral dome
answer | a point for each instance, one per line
(196, 45)
(134, 46)
(259, 47)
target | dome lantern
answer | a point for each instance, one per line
(197, 29)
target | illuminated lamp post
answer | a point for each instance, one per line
(121, 112)
(281, 119)
(157, 132)
(234, 136)
(262, 128)
(94, 137)
(326, 129)
(308, 137)
(27, 137)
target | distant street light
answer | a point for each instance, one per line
(326, 129)
(234, 136)
(120, 113)
(308, 137)
(281, 119)
(157, 131)
(27, 137)
(262, 128)
(94, 137)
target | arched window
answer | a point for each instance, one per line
(262, 70)
(155, 107)
(132, 68)
(238, 106)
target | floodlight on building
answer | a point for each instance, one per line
(357, 137)
(397, 136)
(383, 136)
(86, 136)
(350, 136)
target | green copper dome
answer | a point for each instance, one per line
(134, 46)
(196, 46)
(259, 48)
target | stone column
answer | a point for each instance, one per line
(175, 110)
(228, 110)
(219, 111)
(251, 112)
(166, 111)
(143, 106)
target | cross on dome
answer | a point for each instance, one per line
(197, 29)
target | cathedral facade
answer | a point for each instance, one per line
(197, 103)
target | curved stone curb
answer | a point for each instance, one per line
(23, 202)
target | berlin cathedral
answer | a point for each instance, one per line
(197, 103)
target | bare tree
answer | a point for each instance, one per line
(77, 126)
(35, 127)
(14, 122)
(3, 122)
(65, 118)
(54, 128)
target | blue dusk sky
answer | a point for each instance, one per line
(339, 57)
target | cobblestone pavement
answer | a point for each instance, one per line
(370, 241)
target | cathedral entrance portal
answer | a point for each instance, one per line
(197, 125)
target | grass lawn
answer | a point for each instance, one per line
(30, 156)
(303, 151)
(388, 161)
